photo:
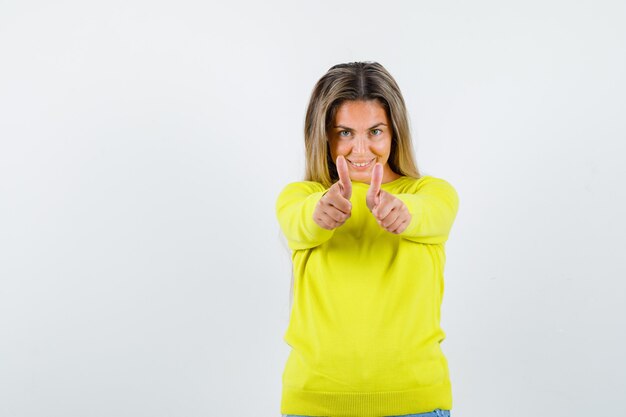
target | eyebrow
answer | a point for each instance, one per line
(349, 128)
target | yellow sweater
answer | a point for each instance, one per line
(365, 322)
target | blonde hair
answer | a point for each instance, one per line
(354, 81)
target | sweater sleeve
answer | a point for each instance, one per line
(294, 209)
(433, 208)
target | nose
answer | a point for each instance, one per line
(360, 144)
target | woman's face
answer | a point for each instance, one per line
(362, 133)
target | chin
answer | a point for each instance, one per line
(361, 177)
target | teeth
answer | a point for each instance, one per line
(360, 165)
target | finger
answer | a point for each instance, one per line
(344, 177)
(323, 222)
(340, 203)
(398, 226)
(336, 215)
(327, 222)
(390, 219)
(335, 198)
(386, 203)
(374, 191)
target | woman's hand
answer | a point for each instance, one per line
(334, 208)
(390, 212)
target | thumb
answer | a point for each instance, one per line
(344, 177)
(373, 193)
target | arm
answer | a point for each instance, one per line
(433, 208)
(294, 210)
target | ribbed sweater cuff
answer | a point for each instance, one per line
(366, 404)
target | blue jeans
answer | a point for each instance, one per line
(435, 413)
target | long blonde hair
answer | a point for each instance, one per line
(354, 81)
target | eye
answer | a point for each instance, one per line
(377, 132)
(344, 133)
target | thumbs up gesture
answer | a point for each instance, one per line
(390, 212)
(334, 208)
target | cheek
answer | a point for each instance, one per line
(382, 148)
(339, 148)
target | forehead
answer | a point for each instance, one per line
(360, 112)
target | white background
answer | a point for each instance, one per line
(143, 145)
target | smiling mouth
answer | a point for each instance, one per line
(361, 164)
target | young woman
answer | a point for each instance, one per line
(367, 234)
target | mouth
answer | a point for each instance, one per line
(361, 165)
